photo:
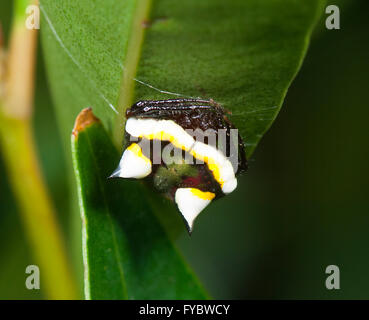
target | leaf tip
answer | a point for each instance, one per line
(84, 119)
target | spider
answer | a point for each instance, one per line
(188, 148)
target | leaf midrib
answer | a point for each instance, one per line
(130, 64)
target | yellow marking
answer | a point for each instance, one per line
(202, 195)
(164, 136)
(137, 151)
(213, 167)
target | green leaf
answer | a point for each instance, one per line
(126, 252)
(85, 43)
(108, 54)
(242, 53)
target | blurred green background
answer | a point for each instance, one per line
(303, 205)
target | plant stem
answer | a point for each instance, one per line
(18, 149)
